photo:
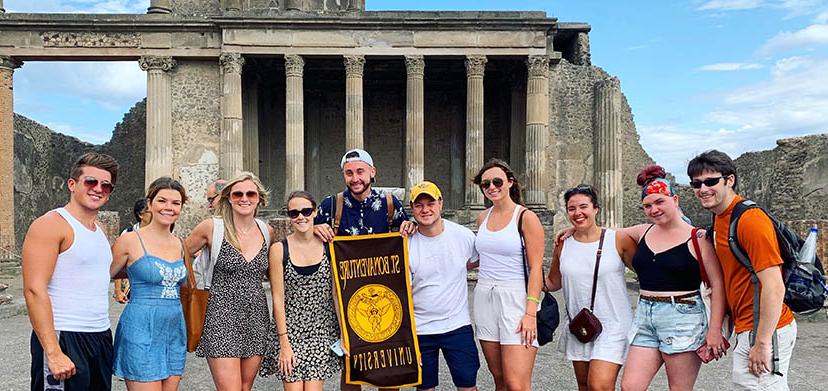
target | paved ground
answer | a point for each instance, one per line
(552, 372)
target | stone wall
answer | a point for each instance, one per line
(43, 159)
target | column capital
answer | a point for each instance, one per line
(294, 65)
(415, 65)
(538, 66)
(163, 63)
(609, 83)
(231, 62)
(354, 65)
(476, 65)
(10, 62)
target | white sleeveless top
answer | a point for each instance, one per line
(79, 288)
(501, 255)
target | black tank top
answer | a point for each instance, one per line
(674, 269)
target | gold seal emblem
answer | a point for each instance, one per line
(375, 313)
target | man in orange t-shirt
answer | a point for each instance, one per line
(713, 179)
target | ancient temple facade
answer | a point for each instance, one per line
(283, 88)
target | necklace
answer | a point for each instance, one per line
(245, 231)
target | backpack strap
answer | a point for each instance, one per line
(389, 204)
(337, 212)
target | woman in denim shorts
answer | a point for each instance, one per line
(670, 321)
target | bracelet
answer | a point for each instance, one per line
(528, 314)
(535, 299)
(281, 334)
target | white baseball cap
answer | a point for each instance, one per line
(356, 155)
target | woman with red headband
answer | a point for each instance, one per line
(670, 321)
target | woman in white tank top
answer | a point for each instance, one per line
(504, 313)
(596, 363)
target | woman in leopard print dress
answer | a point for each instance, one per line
(303, 307)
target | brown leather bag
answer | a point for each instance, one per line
(194, 305)
(585, 326)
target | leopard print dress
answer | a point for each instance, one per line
(311, 324)
(237, 320)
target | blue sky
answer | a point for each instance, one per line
(729, 74)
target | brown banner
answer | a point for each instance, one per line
(374, 291)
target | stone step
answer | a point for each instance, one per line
(10, 269)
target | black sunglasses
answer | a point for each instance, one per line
(709, 182)
(92, 182)
(294, 213)
(497, 182)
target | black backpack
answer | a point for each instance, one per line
(804, 286)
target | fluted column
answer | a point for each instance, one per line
(354, 67)
(414, 138)
(159, 155)
(159, 7)
(294, 124)
(607, 154)
(7, 237)
(475, 68)
(250, 126)
(231, 162)
(537, 118)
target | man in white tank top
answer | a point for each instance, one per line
(440, 253)
(66, 259)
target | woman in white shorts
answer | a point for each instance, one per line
(596, 363)
(503, 310)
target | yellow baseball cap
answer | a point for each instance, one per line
(425, 187)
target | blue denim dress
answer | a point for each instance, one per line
(151, 339)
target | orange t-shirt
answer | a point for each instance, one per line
(757, 237)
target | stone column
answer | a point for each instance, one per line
(233, 5)
(608, 154)
(414, 139)
(294, 124)
(7, 236)
(475, 68)
(2, 10)
(354, 66)
(159, 7)
(250, 126)
(231, 162)
(159, 155)
(537, 118)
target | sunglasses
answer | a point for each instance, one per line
(497, 182)
(210, 199)
(237, 195)
(709, 182)
(92, 182)
(294, 213)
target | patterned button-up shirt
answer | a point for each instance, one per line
(362, 218)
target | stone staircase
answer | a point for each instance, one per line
(11, 293)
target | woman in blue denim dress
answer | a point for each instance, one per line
(150, 341)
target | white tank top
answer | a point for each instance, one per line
(501, 255)
(79, 288)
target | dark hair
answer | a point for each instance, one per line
(97, 160)
(712, 161)
(514, 191)
(301, 194)
(582, 189)
(650, 172)
(138, 208)
(164, 183)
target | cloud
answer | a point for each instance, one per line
(793, 8)
(113, 85)
(822, 17)
(730, 66)
(807, 38)
(729, 5)
(79, 6)
(93, 136)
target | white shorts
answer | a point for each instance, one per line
(499, 307)
(744, 380)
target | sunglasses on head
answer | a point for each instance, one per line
(497, 182)
(92, 182)
(294, 213)
(237, 195)
(709, 182)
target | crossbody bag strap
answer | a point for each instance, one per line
(188, 264)
(597, 263)
(339, 202)
(389, 204)
(523, 250)
(695, 239)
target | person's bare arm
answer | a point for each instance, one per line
(714, 338)
(201, 236)
(626, 246)
(771, 297)
(553, 278)
(339, 318)
(120, 253)
(40, 251)
(287, 360)
(533, 237)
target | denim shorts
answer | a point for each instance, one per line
(670, 327)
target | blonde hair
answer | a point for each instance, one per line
(225, 209)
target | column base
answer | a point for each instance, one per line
(545, 215)
(158, 10)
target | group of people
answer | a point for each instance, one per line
(68, 264)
